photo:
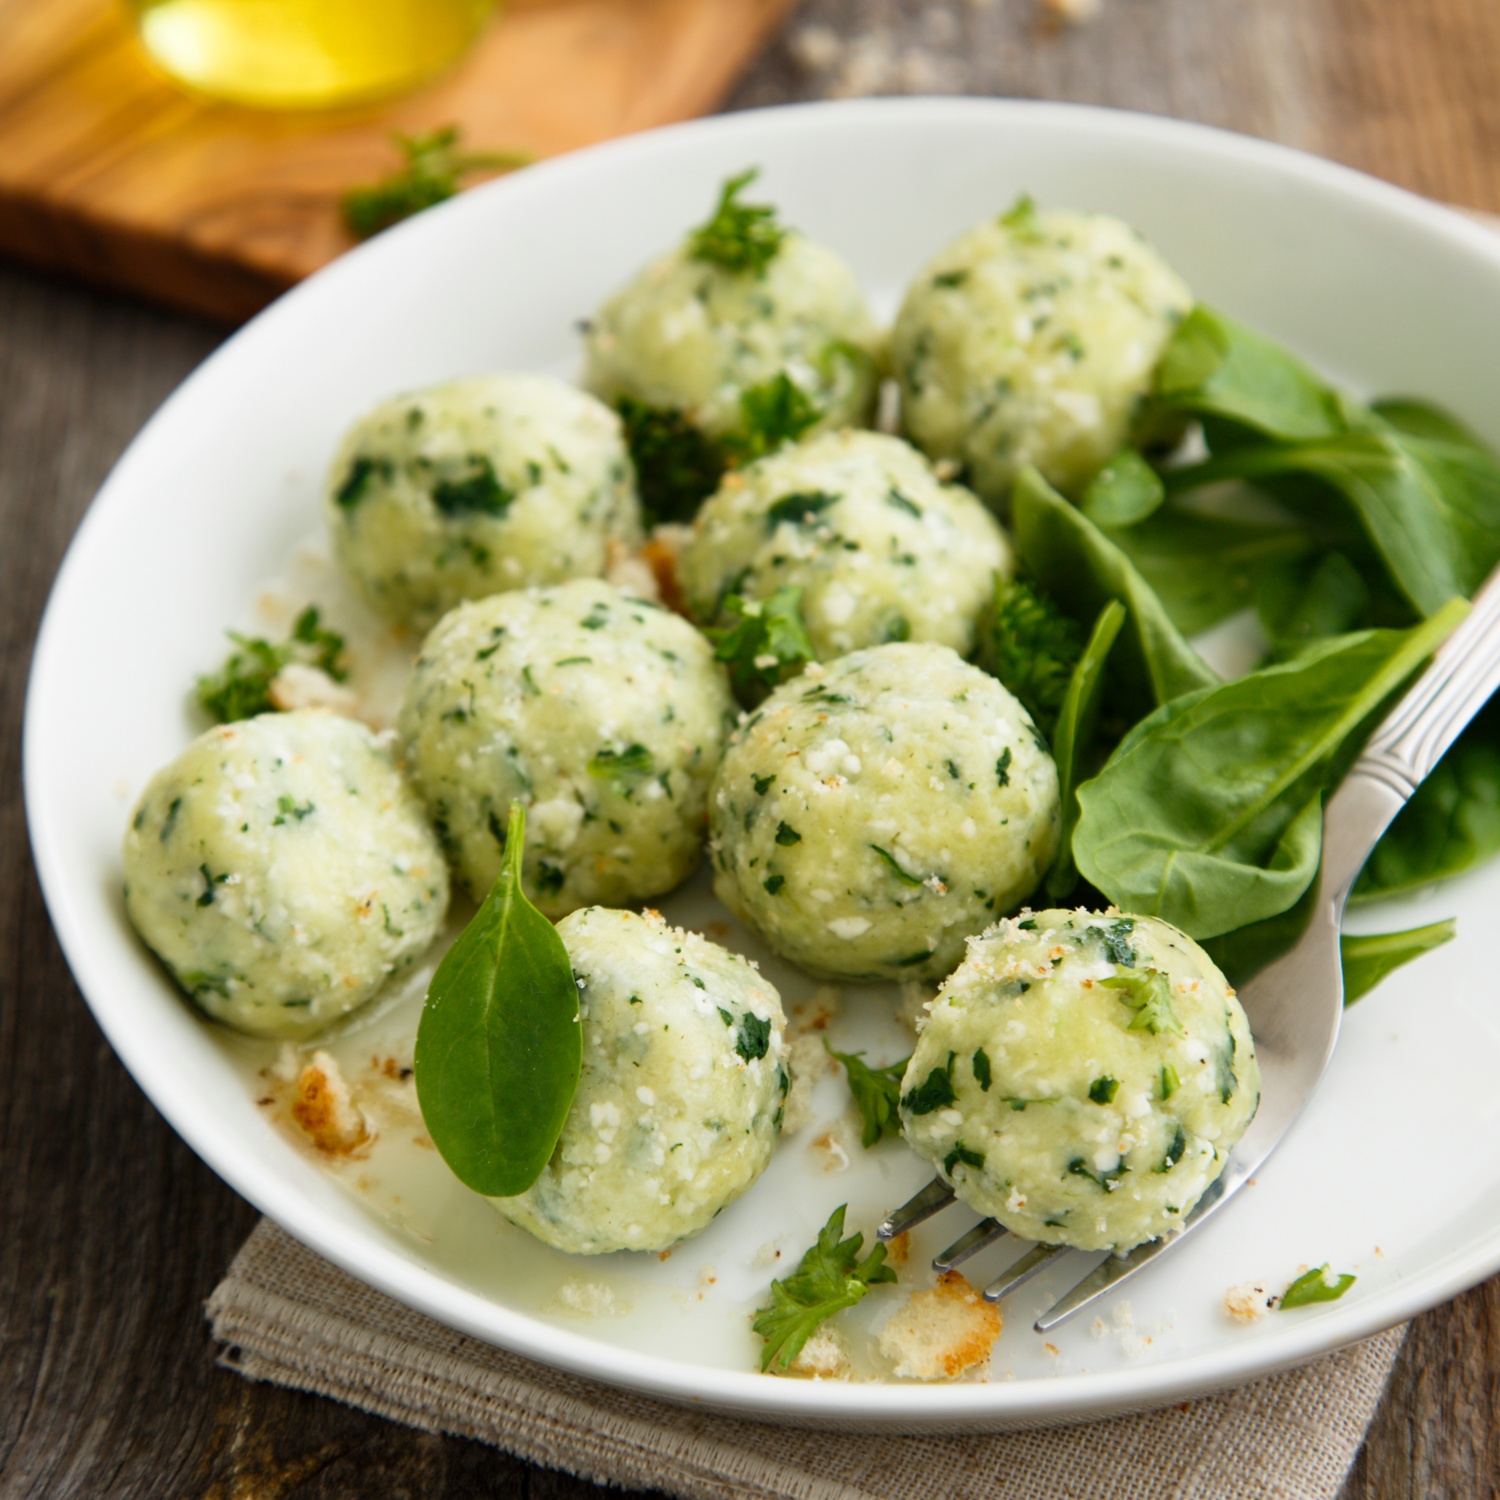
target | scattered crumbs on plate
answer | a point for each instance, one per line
(769, 1254)
(587, 1299)
(825, 1356)
(1248, 1301)
(828, 1150)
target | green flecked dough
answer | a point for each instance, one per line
(678, 1109)
(689, 336)
(1120, 1069)
(604, 714)
(876, 811)
(882, 549)
(1029, 340)
(483, 484)
(282, 870)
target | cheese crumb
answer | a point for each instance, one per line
(825, 1356)
(1247, 1302)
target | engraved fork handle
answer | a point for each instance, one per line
(1463, 674)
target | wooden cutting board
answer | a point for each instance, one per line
(109, 172)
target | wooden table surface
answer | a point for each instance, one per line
(112, 1233)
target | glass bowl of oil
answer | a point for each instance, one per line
(306, 54)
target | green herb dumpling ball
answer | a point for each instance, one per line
(603, 714)
(1082, 1078)
(745, 335)
(678, 1108)
(1030, 340)
(484, 484)
(875, 812)
(881, 548)
(282, 870)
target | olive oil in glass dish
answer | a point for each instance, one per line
(306, 54)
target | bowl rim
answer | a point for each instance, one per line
(890, 1407)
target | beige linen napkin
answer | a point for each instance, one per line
(287, 1316)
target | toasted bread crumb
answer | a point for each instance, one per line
(322, 1107)
(825, 1356)
(1247, 1302)
(660, 555)
(940, 1333)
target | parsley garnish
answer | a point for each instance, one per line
(477, 493)
(960, 1155)
(768, 644)
(830, 1278)
(633, 760)
(676, 464)
(738, 237)
(1315, 1286)
(1103, 1090)
(799, 507)
(934, 1092)
(1175, 1150)
(983, 1075)
(1002, 767)
(1116, 936)
(786, 835)
(1021, 219)
(241, 688)
(1032, 647)
(891, 863)
(434, 167)
(774, 412)
(754, 1038)
(1108, 1181)
(1149, 994)
(877, 1093)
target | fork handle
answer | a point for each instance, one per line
(1412, 739)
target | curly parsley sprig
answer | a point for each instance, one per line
(241, 688)
(830, 1278)
(434, 171)
(877, 1094)
(738, 237)
(767, 644)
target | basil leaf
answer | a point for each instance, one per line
(1368, 959)
(499, 1045)
(1083, 569)
(1208, 815)
(1450, 825)
(1073, 743)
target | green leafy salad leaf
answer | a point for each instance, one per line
(1124, 492)
(1209, 813)
(877, 1094)
(1080, 568)
(738, 237)
(1073, 742)
(434, 170)
(767, 645)
(500, 1044)
(830, 1278)
(241, 688)
(1369, 958)
(1315, 1286)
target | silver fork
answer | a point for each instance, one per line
(1294, 1004)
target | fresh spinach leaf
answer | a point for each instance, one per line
(500, 1044)
(1082, 569)
(1204, 567)
(1369, 958)
(1209, 813)
(1124, 492)
(767, 645)
(1308, 599)
(831, 1277)
(1450, 825)
(877, 1093)
(1074, 740)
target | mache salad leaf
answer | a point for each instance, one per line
(500, 1043)
(1368, 958)
(831, 1277)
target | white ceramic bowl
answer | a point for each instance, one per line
(1395, 1169)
